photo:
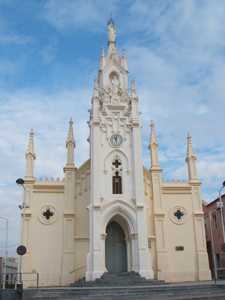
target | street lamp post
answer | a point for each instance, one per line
(6, 249)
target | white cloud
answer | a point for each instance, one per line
(78, 14)
(9, 38)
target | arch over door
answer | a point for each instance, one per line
(115, 248)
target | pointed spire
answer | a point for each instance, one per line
(153, 146)
(124, 61)
(95, 91)
(70, 137)
(102, 60)
(191, 159)
(111, 31)
(30, 155)
(70, 144)
(133, 88)
(189, 145)
(30, 145)
(111, 37)
(153, 139)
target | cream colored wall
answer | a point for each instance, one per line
(181, 264)
(44, 242)
(170, 265)
(82, 201)
(47, 243)
(150, 219)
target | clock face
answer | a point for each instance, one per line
(116, 140)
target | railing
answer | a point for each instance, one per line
(220, 273)
(10, 280)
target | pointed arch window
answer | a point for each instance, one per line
(117, 178)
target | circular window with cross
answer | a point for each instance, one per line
(48, 214)
(178, 215)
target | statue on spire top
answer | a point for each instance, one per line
(111, 31)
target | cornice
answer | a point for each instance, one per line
(48, 187)
(198, 213)
(159, 213)
(69, 168)
(176, 188)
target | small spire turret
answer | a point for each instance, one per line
(153, 139)
(191, 160)
(124, 61)
(153, 146)
(95, 90)
(30, 156)
(133, 89)
(111, 36)
(70, 144)
(102, 60)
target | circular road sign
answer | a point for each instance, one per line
(21, 250)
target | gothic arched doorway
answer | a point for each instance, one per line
(115, 248)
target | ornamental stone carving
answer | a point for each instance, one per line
(47, 214)
(178, 215)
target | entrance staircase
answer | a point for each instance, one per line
(128, 286)
(117, 279)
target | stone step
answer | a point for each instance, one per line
(175, 292)
(120, 279)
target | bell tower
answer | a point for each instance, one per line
(117, 185)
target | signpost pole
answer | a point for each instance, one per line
(21, 250)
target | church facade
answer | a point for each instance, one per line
(112, 214)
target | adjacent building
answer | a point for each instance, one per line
(215, 236)
(112, 214)
(10, 269)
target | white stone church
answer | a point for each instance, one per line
(112, 214)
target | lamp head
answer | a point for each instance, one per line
(20, 181)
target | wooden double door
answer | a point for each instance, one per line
(115, 248)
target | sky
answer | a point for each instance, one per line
(49, 56)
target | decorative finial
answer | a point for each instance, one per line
(153, 139)
(191, 159)
(153, 147)
(70, 138)
(30, 156)
(70, 145)
(111, 31)
(110, 21)
(133, 88)
(30, 146)
(189, 145)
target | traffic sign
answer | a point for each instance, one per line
(21, 250)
